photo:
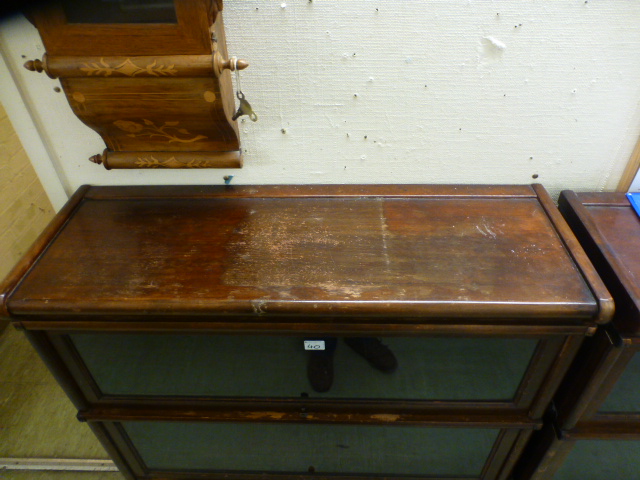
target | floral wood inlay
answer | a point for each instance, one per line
(152, 162)
(169, 131)
(128, 68)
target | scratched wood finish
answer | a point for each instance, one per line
(434, 257)
(456, 419)
(486, 261)
(147, 87)
(609, 230)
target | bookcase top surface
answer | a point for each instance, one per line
(609, 229)
(413, 252)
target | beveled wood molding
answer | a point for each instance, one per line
(313, 191)
(37, 248)
(466, 419)
(67, 323)
(625, 426)
(575, 250)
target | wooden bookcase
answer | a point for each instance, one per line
(174, 319)
(594, 427)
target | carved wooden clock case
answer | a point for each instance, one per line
(150, 77)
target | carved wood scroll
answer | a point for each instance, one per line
(153, 109)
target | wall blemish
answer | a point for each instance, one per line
(512, 86)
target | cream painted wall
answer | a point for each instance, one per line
(398, 91)
(24, 207)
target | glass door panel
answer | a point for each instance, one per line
(323, 449)
(456, 369)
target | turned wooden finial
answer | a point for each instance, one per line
(230, 64)
(34, 65)
(38, 66)
(99, 158)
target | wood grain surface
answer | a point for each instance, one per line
(609, 229)
(438, 256)
(146, 87)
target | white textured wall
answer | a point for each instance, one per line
(401, 91)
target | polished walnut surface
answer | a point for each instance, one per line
(419, 252)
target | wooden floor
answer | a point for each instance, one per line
(36, 418)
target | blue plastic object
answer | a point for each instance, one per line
(634, 200)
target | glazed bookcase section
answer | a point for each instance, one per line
(595, 452)
(601, 459)
(624, 397)
(595, 433)
(174, 317)
(604, 387)
(601, 386)
(605, 396)
(114, 366)
(280, 450)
